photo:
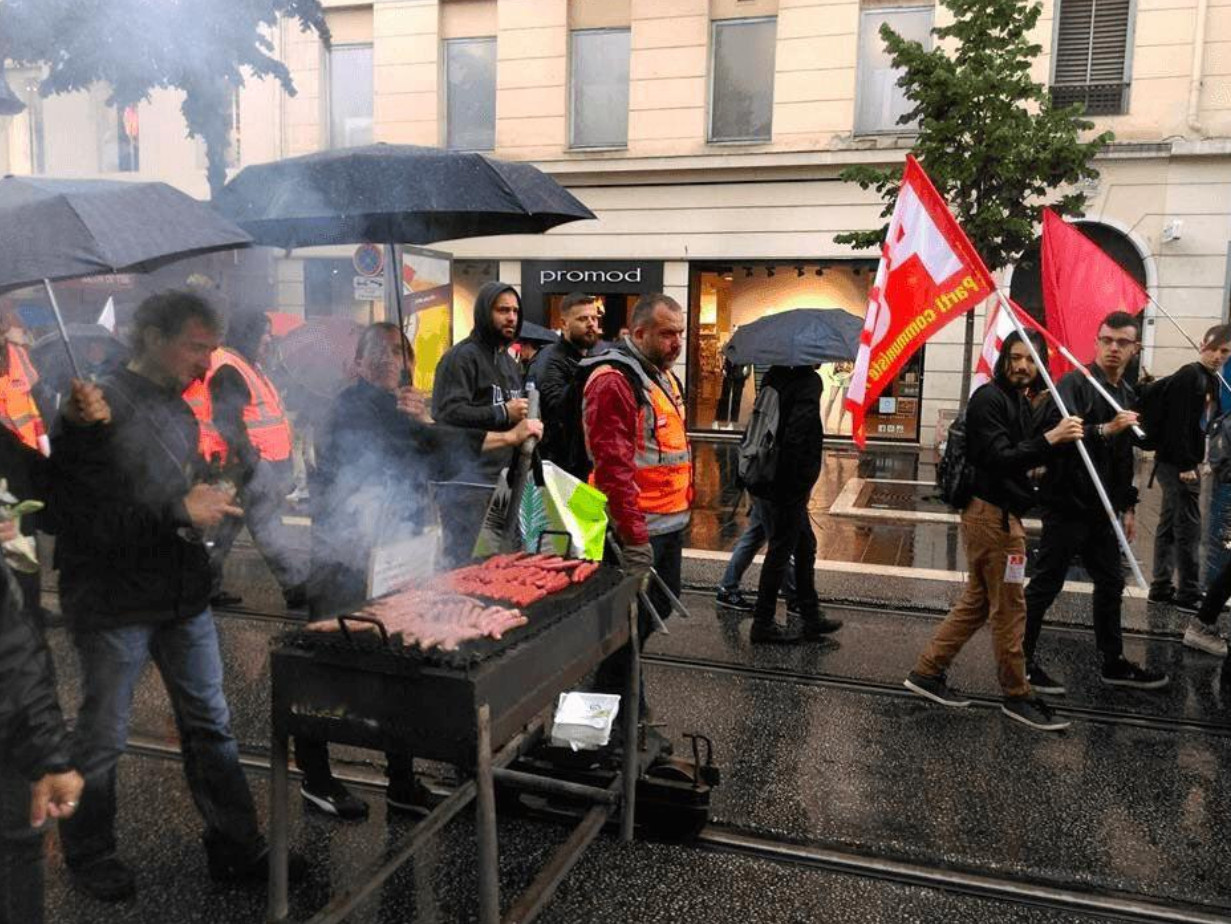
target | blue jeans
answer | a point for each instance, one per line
(1216, 555)
(187, 656)
(755, 535)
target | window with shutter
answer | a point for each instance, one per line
(1091, 58)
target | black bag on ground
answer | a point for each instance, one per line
(955, 476)
(758, 450)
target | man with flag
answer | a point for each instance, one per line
(1072, 520)
(929, 274)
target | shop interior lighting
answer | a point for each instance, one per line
(820, 271)
(769, 272)
(799, 271)
(747, 272)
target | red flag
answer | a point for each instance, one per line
(929, 274)
(1081, 286)
(998, 326)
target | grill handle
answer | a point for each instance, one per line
(343, 620)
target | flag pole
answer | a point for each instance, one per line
(1063, 350)
(1183, 333)
(1081, 447)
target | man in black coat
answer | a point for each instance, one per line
(801, 439)
(135, 586)
(1188, 394)
(37, 780)
(554, 374)
(1002, 450)
(1074, 521)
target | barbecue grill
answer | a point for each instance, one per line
(477, 708)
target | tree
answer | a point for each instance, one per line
(987, 134)
(204, 48)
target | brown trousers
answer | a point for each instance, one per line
(987, 597)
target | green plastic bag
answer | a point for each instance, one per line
(563, 504)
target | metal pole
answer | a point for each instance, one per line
(1077, 364)
(485, 823)
(632, 713)
(393, 275)
(1081, 448)
(1184, 334)
(55, 308)
(278, 822)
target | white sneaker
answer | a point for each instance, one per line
(1205, 638)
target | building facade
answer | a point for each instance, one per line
(708, 137)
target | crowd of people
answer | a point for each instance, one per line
(152, 469)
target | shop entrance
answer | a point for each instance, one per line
(615, 309)
(616, 283)
(724, 296)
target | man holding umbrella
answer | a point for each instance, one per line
(135, 582)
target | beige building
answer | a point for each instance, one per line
(707, 136)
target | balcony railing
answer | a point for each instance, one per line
(1100, 98)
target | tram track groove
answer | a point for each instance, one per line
(1138, 908)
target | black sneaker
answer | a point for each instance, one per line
(1161, 594)
(334, 799)
(815, 629)
(1188, 604)
(409, 798)
(735, 600)
(254, 868)
(1042, 682)
(1032, 711)
(772, 633)
(1124, 673)
(935, 689)
(108, 880)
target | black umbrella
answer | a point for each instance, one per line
(802, 337)
(64, 229)
(393, 194)
(536, 333)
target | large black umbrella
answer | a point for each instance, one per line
(63, 229)
(393, 194)
(802, 337)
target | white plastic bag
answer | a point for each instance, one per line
(584, 720)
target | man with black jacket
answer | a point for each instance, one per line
(554, 374)
(135, 584)
(1002, 451)
(801, 438)
(1074, 521)
(1188, 395)
(37, 780)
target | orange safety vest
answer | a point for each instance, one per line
(18, 411)
(663, 455)
(268, 428)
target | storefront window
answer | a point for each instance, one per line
(725, 296)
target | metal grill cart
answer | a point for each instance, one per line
(479, 708)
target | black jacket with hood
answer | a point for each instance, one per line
(475, 379)
(801, 435)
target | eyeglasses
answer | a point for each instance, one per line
(1122, 342)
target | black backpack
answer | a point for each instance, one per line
(758, 450)
(1152, 408)
(955, 476)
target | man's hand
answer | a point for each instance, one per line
(413, 404)
(1069, 430)
(1190, 477)
(526, 429)
(517, 408)
(638, 558)
(208, 505)
(1130, 525)
(54, 796)
(86, 405)
(1120, 422)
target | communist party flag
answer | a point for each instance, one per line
(929, 274)
(1081, 286)
(999, 325)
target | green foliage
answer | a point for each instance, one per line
(204, 47)
(988, 135)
